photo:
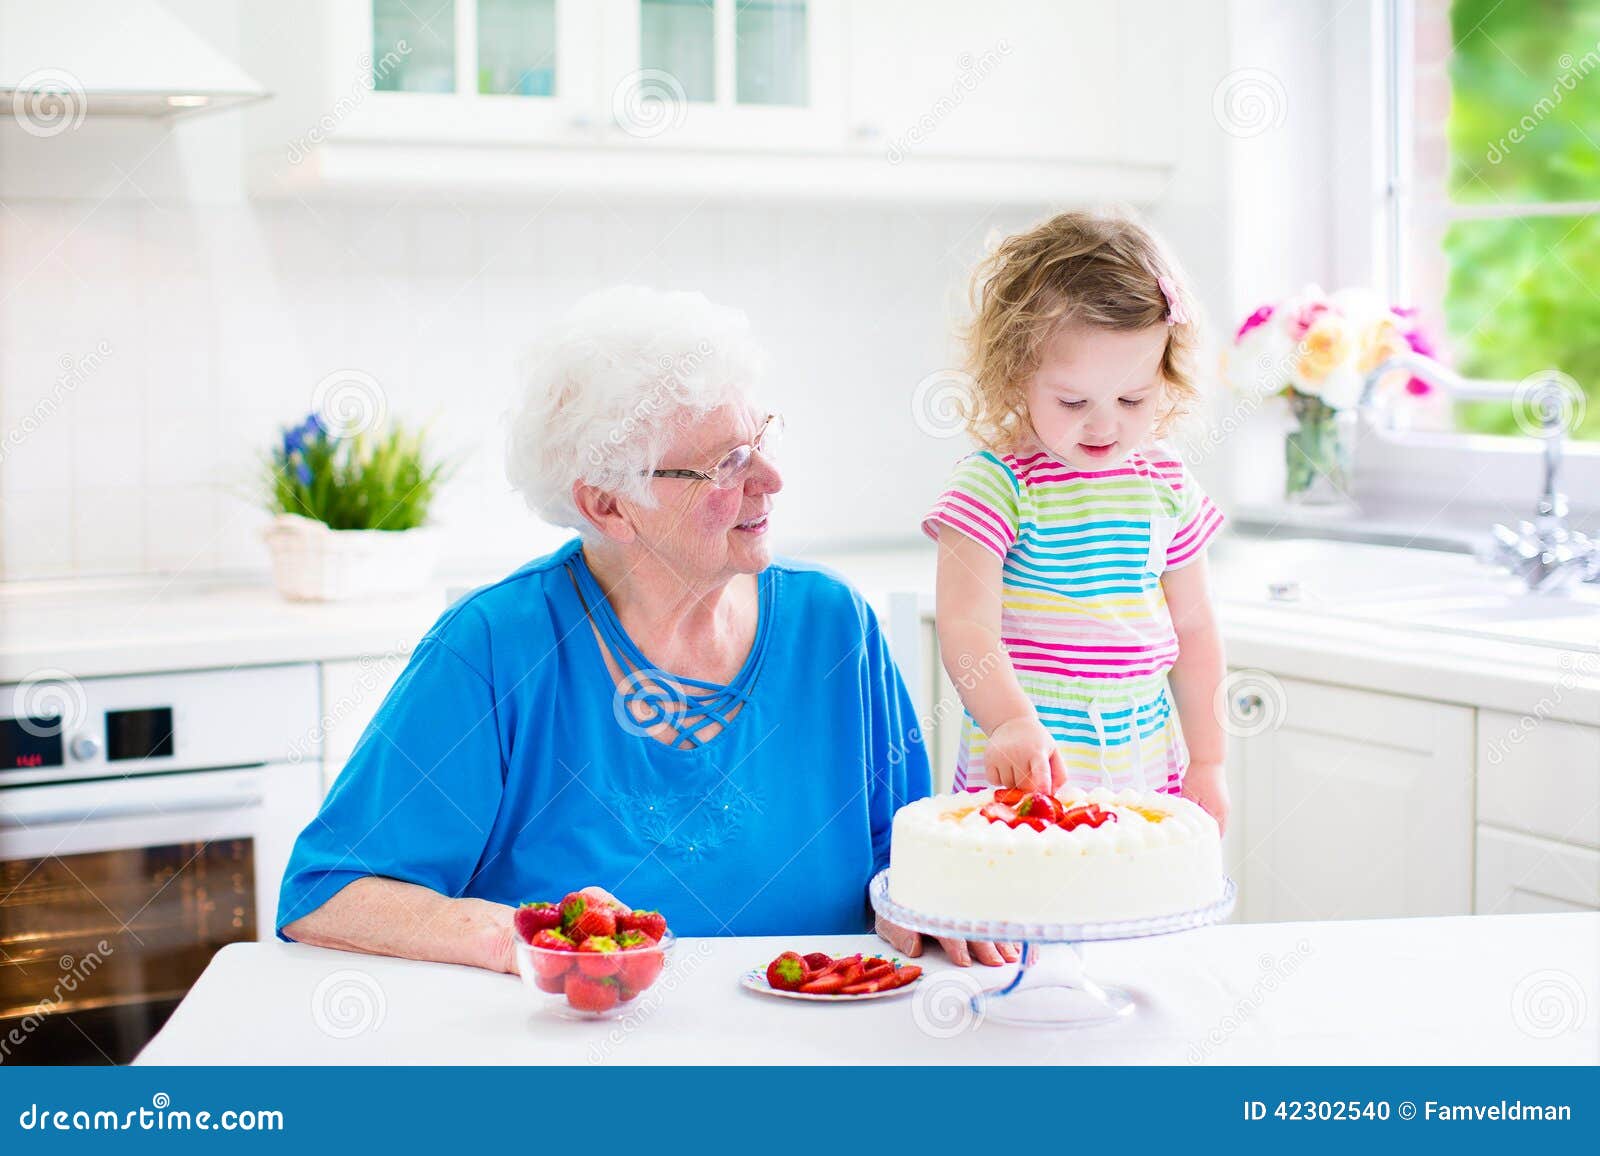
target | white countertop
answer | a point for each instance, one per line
(102, 627)
(1501, 989)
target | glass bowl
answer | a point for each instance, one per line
(591, 985)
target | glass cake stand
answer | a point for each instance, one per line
(1050, 988)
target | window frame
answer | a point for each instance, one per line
(1494, 469)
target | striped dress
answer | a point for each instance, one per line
(1083, 617)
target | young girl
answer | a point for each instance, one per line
(1073, 609)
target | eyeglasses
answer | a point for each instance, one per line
(735, 464)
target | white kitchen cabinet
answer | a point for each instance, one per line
(1026, 79)
(1538, 815)
(1520, 874)
(352, 690)
(1359, 805)
(1011, 101)
(723, 75)
(1539, 776)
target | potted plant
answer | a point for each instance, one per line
(350, 513)
(1314, 351)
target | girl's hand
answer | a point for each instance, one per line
(1022, 754)
(1207, 784)
(962, 952)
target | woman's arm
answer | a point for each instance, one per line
(1020, 752)
(382, 916)
(1195, 677)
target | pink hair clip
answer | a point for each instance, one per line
(1176, 313)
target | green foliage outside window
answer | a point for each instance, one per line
(1523, 293)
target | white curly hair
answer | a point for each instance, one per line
(607, 387)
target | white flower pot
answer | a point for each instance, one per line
(312, 563)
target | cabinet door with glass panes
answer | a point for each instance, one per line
(472, 71)
(725, 74)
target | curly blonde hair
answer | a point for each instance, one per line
(1098, 268)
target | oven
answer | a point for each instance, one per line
(145, 822)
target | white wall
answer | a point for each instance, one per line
(220, 314)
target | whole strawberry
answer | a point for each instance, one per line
(582, 916)
(555, 955)
(532, 918)
(641, 962)
(591, 993)
(788, 972)
(597, 956)
(651, 923)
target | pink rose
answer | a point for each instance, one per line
(1259, 317)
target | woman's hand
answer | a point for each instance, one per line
(500, 934)
(1207, 784)
(961, 951)
(1022, 754)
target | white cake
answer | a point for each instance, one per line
(1150, 854)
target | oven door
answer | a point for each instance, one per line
(115, 894)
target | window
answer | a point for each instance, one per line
(1502, 221)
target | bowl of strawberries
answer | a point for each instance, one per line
(591, 958)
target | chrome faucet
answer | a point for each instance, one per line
(1546, 553)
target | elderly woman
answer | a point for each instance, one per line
(657, 709)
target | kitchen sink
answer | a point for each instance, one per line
(1413, 588)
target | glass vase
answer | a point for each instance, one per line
(1317, 453)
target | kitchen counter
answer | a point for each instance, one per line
(1509, 989)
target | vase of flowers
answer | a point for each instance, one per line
(350, 512)
(1314, 351)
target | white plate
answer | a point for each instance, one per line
(756, 980)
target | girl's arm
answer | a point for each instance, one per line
(1195, 677)
(1021, 752)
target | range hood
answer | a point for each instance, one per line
(75, 58)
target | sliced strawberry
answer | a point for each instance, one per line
(817, 960)
(909, 973)
(999, 813)
(862, 987)
(823, 985)
(1086, 815)
(1009, 796)
(1038, 805)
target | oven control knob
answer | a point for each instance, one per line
(84, 748)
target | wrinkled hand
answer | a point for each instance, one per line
(1022, 754)
(962, 952)
(1207, 785)
(502, 934)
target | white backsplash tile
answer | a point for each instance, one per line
(218, 321)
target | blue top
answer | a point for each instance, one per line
(503, 765)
